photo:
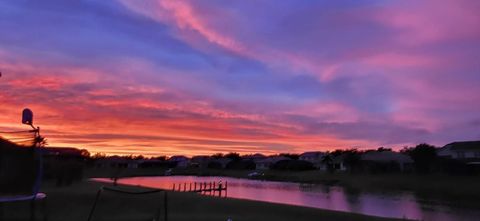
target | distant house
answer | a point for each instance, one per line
(152, 163)
(377, 158)
(65, 152)
(222, 162)
(266, 163)
(116, 162)
(180, 161)
(338, 162)
(254, 157)
(200, 161)
(315, 157)
(467, 151)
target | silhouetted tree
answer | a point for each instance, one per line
(217, 156)
(233, 156)
(424, 156)
(328, 162)
(99, 156)
(297, 165)
(290, 155)
(84, 153)
(161, 158)
(352, 160)
(381, 149)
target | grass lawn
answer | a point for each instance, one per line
(74, 202)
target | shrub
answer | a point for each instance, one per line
(297, 165)
(241, 165)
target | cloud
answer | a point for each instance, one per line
(201, 77)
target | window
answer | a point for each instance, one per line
(460, 154)
(477, 154)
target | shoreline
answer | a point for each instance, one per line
(74, 203)
(432, 186)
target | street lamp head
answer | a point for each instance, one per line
(27, 117)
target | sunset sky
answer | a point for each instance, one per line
(167, 77)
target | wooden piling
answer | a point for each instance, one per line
(206, 188)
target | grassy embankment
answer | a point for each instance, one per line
(456, 188)
(73, 203)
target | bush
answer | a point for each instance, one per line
(382, 167)
(214, 165)
(241, 165)
(297, 165)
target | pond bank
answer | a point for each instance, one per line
(463, 189)
(74, 202)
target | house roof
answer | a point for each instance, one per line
(312, 154)
(255, 156)
(201, 158)
(178, 158)
(340, 158)
(223, 160)
(465, 145)
(4, 143)
(115, 159)
(272, 159)
(63, 151)
(386, 156)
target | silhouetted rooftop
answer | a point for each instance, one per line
(465, 145)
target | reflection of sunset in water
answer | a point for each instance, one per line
(399, 205)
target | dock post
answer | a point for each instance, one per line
(173, 189)
(185, 187)
(195, 187)
(190, 188)
(220, 189)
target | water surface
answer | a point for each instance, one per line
(398, 205)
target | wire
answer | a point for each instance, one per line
(14, 132)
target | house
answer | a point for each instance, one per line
(222, 162)
(180, 161)
(152, 163)
(376, 158)
(266, 163)
(338, 162)
(64, 152)
(315, 157)
(254, 157)
(200, 161)
(467, 151)
(116, 162)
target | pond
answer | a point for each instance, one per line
(398, 205)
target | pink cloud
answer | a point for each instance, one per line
(183, 15)
(432, 21)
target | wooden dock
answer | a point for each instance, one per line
(208, 188)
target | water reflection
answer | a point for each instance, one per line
(398, 205)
